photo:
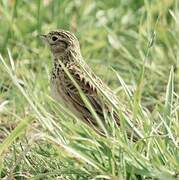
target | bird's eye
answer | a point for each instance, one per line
(54, 38)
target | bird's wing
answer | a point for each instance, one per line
(89, 89)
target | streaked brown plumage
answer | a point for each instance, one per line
(65, 48)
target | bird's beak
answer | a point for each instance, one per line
(43, 37)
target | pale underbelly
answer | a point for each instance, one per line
(62, 98)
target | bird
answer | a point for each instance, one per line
(66, 53)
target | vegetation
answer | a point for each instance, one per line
(133, 46)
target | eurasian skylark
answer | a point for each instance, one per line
(65, 49)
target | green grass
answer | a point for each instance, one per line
(133, 46)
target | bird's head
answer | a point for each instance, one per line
(61, 41)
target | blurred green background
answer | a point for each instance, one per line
(112, 34)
